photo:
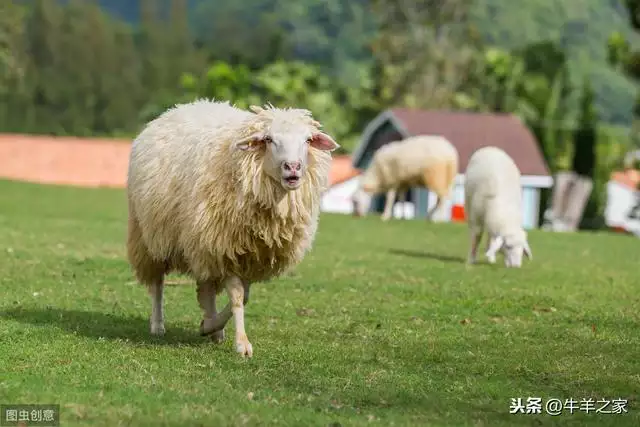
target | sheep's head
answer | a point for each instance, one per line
(284, 136)
(512, 245)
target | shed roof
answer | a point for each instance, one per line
(467, 132)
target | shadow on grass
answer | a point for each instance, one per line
(437, 257)
(93, 324)
(420, 254)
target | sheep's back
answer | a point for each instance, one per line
(405, 161)
(491, 175)
(169, 166)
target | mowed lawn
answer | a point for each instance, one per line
(382, 324)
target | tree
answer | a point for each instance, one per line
(621, 56)
(152, 47)
(44, 80)
(252, 31)
(11, 53)
(13, 63)
(422, 52)
(585, 135)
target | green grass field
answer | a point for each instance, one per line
(382, 324)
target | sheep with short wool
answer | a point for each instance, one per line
(493, 203)
(420, 161)
(227, 196)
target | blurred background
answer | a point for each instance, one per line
(569, 69)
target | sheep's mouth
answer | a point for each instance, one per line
(292, 181)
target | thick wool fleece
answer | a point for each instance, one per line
(493, 193)
(200, 206)
(420, 161)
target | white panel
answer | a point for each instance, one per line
(620, 200)
(528, 207)
(337, 199)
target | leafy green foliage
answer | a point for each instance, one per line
(331, 34)
(11, 59)
(422, 52)
(85, 73)
(286, 84)
(580, 28)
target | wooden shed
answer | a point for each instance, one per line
(467, 132)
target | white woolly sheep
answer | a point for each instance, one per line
(419, 161)
(493, 203)
(227, 196)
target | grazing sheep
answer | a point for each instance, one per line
(228, 196)
(493, 203)
(419, 161)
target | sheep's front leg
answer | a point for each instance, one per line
(236, 291)
(494, 244)
(221, 318)
(388, 206)
(475, 235)
(489, 252)
(156, 291)
(207, 300)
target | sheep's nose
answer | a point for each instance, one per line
(291, 166)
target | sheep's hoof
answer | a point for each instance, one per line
(384, 218)
(491, 259)
(243, 347)
(157, 329)
(216, 336)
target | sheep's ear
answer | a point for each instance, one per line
(250, 144)
(322, 141)
(256, 109)
(527, 250)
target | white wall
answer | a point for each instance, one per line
(620, 200)
(337, 199)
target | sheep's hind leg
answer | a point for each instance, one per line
(475, 236)
(207, 299)
(388, 206)
(435, 208)
(156, 291)
(441, 200)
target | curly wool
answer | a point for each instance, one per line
(200, 206)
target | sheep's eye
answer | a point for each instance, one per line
(309, 140)
(267, 139)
